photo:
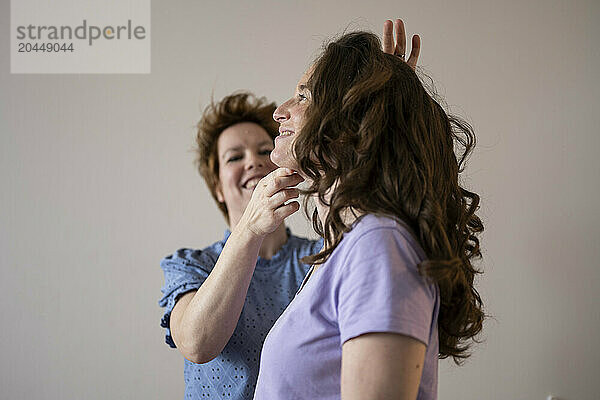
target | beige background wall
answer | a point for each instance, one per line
(98, 184)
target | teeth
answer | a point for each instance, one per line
(286, 133)
(251, 184)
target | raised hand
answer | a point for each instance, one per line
(266, 209)
(398, 46)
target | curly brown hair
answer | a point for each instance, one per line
(373, 130)
(233, 109)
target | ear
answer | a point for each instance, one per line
(219, 193)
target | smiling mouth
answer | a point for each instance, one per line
(286, 133)
(251, 184)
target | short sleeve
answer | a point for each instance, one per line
(185, 270)
(379, 288)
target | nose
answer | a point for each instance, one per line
(254, 160)
(281, 113)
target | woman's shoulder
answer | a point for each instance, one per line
(204, 258)
(373, 230)
(372, 222)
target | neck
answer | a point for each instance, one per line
(271, 243)
(349, 215)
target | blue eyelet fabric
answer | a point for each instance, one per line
(233, 373)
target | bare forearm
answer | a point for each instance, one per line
(203, 324)
(212, 315)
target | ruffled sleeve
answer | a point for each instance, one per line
(185, 270)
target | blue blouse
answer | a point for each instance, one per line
(233, 373)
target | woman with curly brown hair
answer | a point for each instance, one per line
(392, 290)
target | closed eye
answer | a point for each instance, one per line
(234, 158)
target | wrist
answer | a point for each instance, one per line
(244, 232)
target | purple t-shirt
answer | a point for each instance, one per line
(370, 283)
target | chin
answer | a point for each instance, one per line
(283, 160)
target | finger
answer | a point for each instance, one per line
(282, 171)
(414, 52)
(271, 183)
(281, 182)
(400, 38)
(388, 37)
(286, 210)
(282, 196)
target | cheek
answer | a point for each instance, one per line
(299, 117)
(229, 177)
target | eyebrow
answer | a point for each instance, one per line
(302, 87)
(239, 148)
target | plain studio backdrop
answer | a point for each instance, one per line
(98, 184)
